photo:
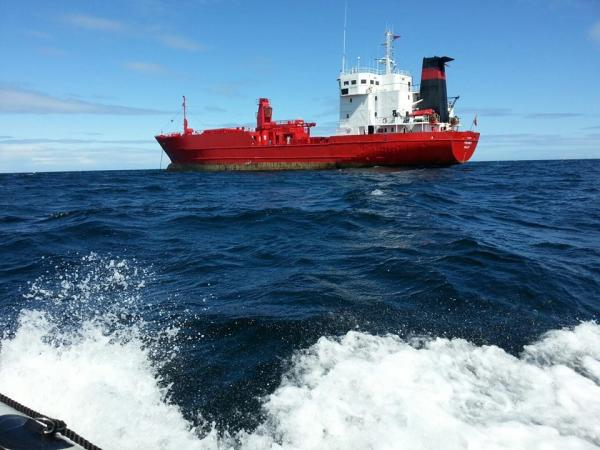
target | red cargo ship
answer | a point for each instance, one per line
(383, 122)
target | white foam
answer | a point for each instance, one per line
(102, 385)
(354, 392)
(363, 391)
(357, 392)
(82, 358)
(377, 192)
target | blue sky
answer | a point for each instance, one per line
(86, 84)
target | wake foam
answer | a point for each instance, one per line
(104, 386)
(353, 392)
(86, 355)
(364, 391)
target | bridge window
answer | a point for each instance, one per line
(377, 83)
(344, 91)
(347, 83)
(363, 81)
(353, 81)
(371, 81)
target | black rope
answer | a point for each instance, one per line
(52, 425)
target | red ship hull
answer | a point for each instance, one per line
(232, 150)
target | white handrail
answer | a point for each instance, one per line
(373, 70)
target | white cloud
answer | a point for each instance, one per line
(594, 32)
(170, 40)
(180, 43)
(42, 157)
(227, 89)
(145, 67)
(519, 146)
(487, 111)
(52, 52)
(554, 115)
(94, 22)
(38, 34)
(7, 140)
(24, 101)
(214, 109)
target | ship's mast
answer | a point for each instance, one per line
(185, 122)
(344, 44)
(388, 60)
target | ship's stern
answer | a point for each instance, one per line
(464, 145)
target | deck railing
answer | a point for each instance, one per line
(374, 71)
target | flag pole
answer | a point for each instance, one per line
(474, 123)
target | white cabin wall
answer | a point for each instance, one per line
(354, 112)
(374, 101)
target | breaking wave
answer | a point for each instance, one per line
(363, 391)
(101, 374)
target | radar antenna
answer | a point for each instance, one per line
(388, 60)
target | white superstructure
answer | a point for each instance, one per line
(380, 100)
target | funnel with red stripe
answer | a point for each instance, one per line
(433, 91)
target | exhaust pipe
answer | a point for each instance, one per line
(433, 92)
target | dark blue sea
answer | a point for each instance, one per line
(452, 308)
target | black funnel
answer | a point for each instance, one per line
(433, 86)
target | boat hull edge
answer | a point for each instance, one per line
(191, 153)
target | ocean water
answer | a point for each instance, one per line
(451, 308)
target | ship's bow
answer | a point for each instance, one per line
(170, 145)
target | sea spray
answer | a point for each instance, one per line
(84, 352)
(363, 391)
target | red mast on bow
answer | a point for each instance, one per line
(185, 122)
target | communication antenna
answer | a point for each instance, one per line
(344, 45)
(388, 59)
